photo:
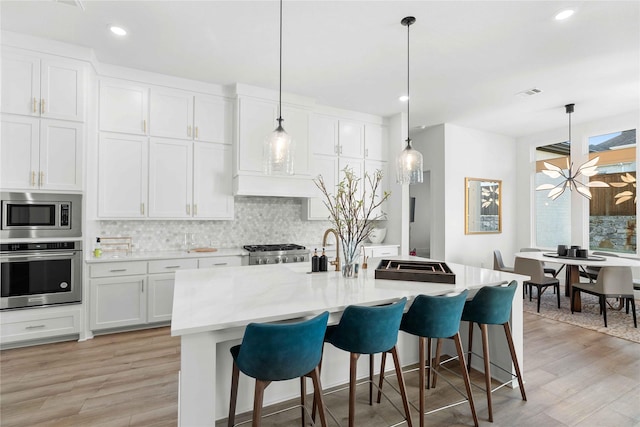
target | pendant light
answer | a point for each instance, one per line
(570, 181)
(409, 162)
(278, 147)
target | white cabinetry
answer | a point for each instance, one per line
(124, 107)
(351, 138)
(40, 154)
(257, 119)
(137, 293)
(117, 292)
(39, 324)
(42, 85)
(161, 283)
(122, 176)
(376, 251)
(189, 180)
(375, 137)
(180, 114)
(170, 172)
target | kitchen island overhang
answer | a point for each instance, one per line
(212, 307)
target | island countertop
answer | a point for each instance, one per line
(216, 299)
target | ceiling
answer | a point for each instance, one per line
(469, 59)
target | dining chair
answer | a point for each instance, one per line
(435, 317)
(534, 269)
(498, 264)
(591, 271)
(492, 306)
(369, 330)
(612, 282)
(278, 352)
(547, 270)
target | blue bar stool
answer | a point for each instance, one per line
(492, 306)
(436, 317)
(278, 352)
(369, 330)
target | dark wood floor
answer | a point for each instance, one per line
(574, 377)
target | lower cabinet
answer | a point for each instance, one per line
(39, 324)
(136, 293)
(376, 251)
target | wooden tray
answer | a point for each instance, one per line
(415, 271)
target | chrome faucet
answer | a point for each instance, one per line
(324, 242)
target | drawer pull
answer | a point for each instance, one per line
(220, 263)
(35, 327)
(172, 266)
(119, 270)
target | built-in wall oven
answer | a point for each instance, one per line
(39, 274)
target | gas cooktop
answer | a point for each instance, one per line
(276, 254)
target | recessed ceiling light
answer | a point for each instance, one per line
(119, 31)
(564, 14)
(403, 98)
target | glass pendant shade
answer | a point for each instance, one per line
(409, 166)
(278, 153)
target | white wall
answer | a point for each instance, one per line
(394, 209)
(478, 154)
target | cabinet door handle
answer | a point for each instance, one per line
(188, 209)
(41, 178)
(189, 130)
(144, 126)
(335, 149)
(118, 270)
(142, 286)
(42, 106)
(366, 152)
(142, 208)
(35, 327)
(196, 132)
(340, 150)
(195, 209)
(33, 178)
(35, 105)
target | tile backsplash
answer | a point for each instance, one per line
(258, 220)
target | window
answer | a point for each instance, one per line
(552, 217)
(612, 210)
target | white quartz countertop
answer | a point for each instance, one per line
(154, 255)
(217, 299)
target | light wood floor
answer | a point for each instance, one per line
(573, 377)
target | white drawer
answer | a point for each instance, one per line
(169, 265)
(113, 269)
(381, 251)
(219, 261)
(29, 327)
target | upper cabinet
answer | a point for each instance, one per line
(124, 107)
(40, 154)
(333, 136)
(350, 138)
(180, 114)
(375, 137)
(42, 85)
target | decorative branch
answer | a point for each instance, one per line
(352, 213)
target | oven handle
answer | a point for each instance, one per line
(38, 255)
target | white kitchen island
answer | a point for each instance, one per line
(211, 308)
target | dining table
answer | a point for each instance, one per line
(573, 265)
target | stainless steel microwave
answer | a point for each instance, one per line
(41, 215)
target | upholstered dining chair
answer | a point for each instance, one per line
(492, 306)
(612, 282)
(369, 330)
(498, 264)
(591, 271)
(548, 270)
(277, 352)
(534, 269)
(435, 317)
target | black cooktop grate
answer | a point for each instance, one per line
(270, 248)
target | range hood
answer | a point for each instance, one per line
(273, 185)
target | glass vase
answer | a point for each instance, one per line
(350, 264)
